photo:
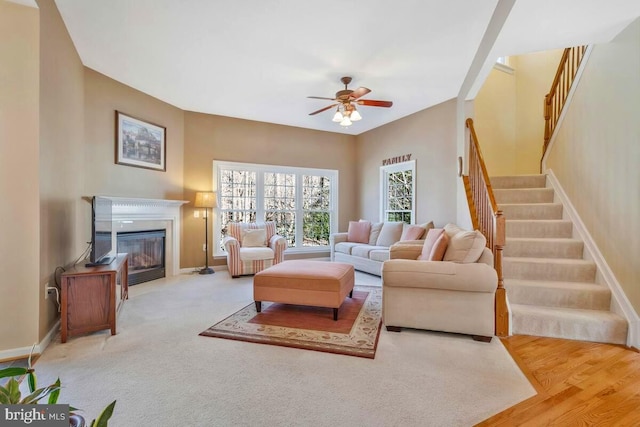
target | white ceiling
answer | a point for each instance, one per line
(260, 59)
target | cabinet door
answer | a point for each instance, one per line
(88, 302)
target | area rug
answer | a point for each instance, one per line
(355, 333)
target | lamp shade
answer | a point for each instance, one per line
(346, 121)
(205, 199)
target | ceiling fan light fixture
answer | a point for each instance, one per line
(346, 100)
(346, 121)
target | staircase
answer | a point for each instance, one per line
(551, 286)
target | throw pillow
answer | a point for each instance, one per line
(429, 243)
(390, 233)
(254, 237)
(465, 247)
(358, 231)
(452, 230)
(412, 232)
(375, 232)
(439, 248)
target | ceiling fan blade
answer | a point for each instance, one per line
(323, 109)
(321, 97)
(374, 103)
(361, 91)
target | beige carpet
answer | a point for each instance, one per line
(355, 333)
(163, 374)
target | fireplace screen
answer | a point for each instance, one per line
(146, 251)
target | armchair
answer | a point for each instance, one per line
(259, 250)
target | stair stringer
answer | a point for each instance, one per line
(620, 304)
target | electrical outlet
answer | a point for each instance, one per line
(46, 290)
(204, 247)
(196, 214)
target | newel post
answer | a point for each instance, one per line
(502, 311)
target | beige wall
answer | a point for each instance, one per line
(430, 137)
(19, 210)
(509, 118)
(103, 96)
(535, 73)
(63, 234)
(495, 122)
(596, 155)
(208, 137)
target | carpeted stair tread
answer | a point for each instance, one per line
(531, 210)
(518, 181)
(543, 247)
(589, 296)
(550, 287)
(523, 195)
(560, 269)
(569, 323)
(558, 228)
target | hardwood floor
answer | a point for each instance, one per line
(578, 383)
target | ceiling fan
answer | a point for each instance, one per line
(347, 99)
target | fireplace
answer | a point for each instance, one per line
(146, 251)
(135, 214)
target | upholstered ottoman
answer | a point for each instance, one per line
(315, 283)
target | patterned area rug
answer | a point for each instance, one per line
(355, 333)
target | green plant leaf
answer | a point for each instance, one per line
(103, 418)
(12, 372)
(4, 396)
(13, 387)
(40, 394)
(53, 397)
(31, 377)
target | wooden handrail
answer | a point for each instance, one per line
(554, 100)
(489, 220)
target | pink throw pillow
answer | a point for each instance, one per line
(429, 243)
(439, 248)
(412, 232)
(359, 231)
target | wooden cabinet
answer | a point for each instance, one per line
(91, 296)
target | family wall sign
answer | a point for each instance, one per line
(397, 159)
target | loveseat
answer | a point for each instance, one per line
(366, 244)
(456, 294)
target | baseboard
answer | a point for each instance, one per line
(625, 309)
(21, 352)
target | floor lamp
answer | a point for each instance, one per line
(206, 200)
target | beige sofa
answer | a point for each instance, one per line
(368, 257)
(439, 295)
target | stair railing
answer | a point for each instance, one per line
(489, 220)
(555, 100)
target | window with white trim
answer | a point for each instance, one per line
(301, 201)
(397, 195)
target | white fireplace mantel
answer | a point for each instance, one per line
(131, 210)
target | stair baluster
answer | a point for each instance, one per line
(489, 220)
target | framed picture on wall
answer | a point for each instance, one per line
(140, 143)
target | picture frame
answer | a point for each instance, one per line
(140, 143)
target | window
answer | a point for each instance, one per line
(398, 192)
(503, 63)
(301, 201)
